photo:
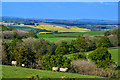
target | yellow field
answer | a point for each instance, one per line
(59, 29)
(44, 32)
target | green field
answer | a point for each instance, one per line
(91, 33)
(19, 72)
(115, 54)
(113, 51)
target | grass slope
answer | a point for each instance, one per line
(19, 72)
(115, 54)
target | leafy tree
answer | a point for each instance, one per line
(4, 55)
(4, 28)
(12, 49)
(25, 56)
(114, 40)
(80, 44)
(40, 46)
(79, 56)
(117, 33)
(57, 60)
(31, 34)
(104, 41)
(92, 45)
(101, 57)
(72, 49)
(63, 48)
(107, 33)
(45, 62)
(15, 35)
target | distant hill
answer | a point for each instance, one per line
(68, 22)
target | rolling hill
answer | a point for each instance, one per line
(19, 72)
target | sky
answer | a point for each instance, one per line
(61, 10)
(60, 0)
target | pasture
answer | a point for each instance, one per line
(115, 54)
(55, 37)
(19, 72)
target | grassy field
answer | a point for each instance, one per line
(113, 51)
(115, 54)
(19, 72)
(55, 38)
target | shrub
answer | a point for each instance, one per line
(80, 44)
(40, 46)
(60, 41)
(117, 33)
(14, 34)
(104, 41)
(107, 33)
(31, 34)
(79, 56)
(63, 48)
(4, 54)
(101, 57)
(86, 67)
(58, 60)
(72, 49)
(4, 28)
(114, 40)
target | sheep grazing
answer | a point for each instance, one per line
(14, 63)
(23, 65)
(55, 68)
(63, 69)
(88, 60)
(87, 54)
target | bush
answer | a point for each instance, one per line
(60, 41)
(14, 34)
(79, 56)
(114, 40)
(4, 28)
(80, 44)
(104, 42)
(101, 57)
(107, 33)
(116, 32)
(63, 48)
(86, 67)
(32, 34)
(58, 60)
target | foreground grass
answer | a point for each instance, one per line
(19, 72)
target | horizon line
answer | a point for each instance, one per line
(59, 18)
